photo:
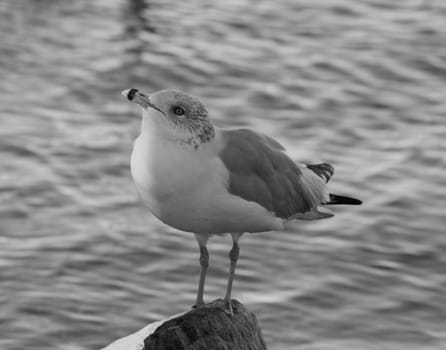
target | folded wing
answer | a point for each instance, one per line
(261, 172)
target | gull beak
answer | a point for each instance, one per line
(138, 97)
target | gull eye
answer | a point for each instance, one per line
(179, 110)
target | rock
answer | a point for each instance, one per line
(210, 327)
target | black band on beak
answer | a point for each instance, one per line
(131, 94)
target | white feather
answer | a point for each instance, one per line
(187, 188)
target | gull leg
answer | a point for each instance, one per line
(204, 263)
(233, 256)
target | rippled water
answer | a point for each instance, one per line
(360, 84)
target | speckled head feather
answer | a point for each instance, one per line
(168, 100)
(184, 114)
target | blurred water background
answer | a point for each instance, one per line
(359, 84)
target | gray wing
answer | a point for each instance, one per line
(261, 172)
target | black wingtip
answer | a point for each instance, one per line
(337, 199)
(324, 170)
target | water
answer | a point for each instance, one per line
(360, 84)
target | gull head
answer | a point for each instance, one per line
(180, 116)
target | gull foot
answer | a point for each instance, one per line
(222, 304)
(228, 308)
(197, 305)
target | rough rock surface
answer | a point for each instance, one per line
(210, 327)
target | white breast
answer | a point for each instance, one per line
(187, 188)
(162, 170)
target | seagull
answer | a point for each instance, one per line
(206, 180)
